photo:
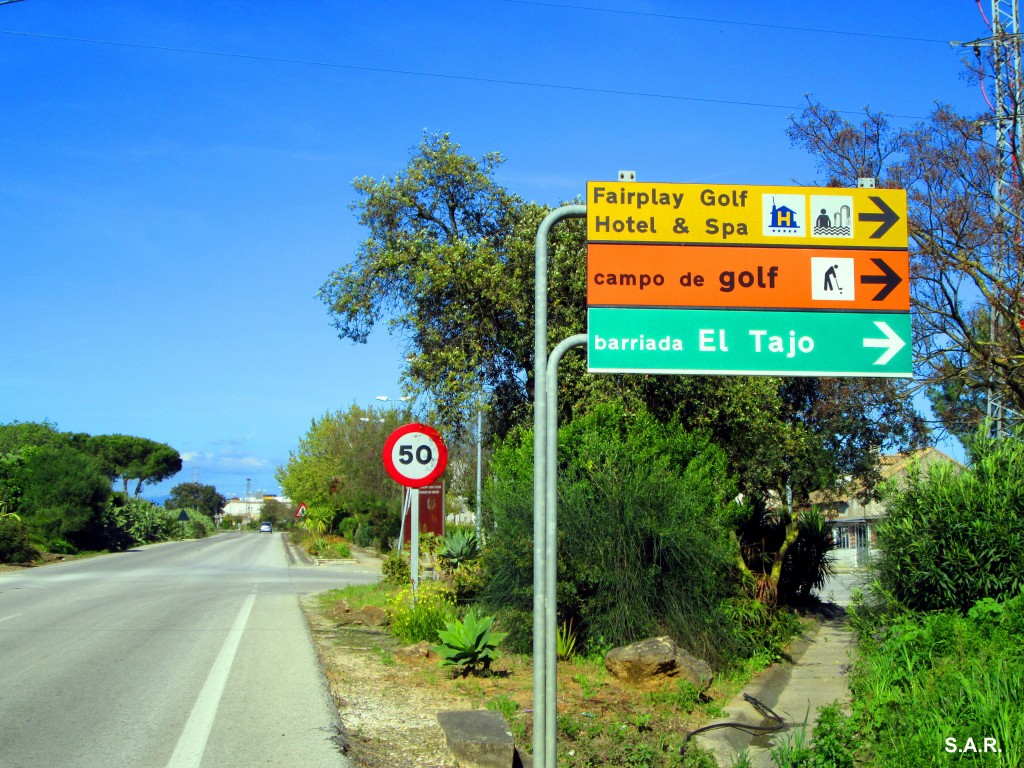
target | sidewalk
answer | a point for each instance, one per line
(363, 559)
(815, 676)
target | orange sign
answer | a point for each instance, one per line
(643, 275)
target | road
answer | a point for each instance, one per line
(181, 655)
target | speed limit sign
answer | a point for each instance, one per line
(415, 455)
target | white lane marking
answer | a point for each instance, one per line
(12, 616)
(192, 742)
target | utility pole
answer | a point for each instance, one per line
(1007, 78)
(1006, 58)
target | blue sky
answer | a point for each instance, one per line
(175, 178)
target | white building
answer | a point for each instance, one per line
(248, 508)
(854, 520)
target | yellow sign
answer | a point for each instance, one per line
(730, 214)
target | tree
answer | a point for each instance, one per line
(203, 498)
(64, 493)
(19, 434)
(277, 512)
(450, 262)
(966, 245)
(134, 458)
(338, 465)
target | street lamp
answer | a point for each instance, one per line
(386, 399)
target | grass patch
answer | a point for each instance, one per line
(357, 596)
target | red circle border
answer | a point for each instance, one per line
(393, 471)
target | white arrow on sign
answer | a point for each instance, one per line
(892, 343)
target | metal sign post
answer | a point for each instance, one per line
(414, 456)
(544, 629)
(679, 280)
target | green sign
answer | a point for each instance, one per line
(748, 342)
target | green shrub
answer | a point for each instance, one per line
(643, 543)
(59, 546)
(467, 580)
(348, 526)
(395, 570)
(922, 678)
(342, 550)
(835, 739)
(140, 522)
(199, 525)
(15, 542)
(760, 631)
(364, 535)
(951, 538)
(469, 644)
(517, 624)
(413, 621)
(317, 546)
(565, 641)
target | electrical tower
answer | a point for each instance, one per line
(1004, 44)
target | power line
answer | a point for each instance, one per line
(707, 20)
(435, 75)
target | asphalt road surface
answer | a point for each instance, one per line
(182, 655)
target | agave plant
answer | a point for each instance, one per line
(459, 547)
(469, 644)
(565, 641)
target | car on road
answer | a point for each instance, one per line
(266, 528)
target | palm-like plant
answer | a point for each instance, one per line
(319, 520)
(810, 561)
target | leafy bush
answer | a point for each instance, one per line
(131, 521)
(833, 745)
(395, 570)
(419, 620)
(951, 538)
(199, 525)
(643, 545)
(342, 550)
(922, 678)
(760, 631)
(467, 580)
(59, 546)
(348, 526)
(517, 624)
(319, 519)
(15, 542)
(364, 534)
(64, 495)
(469, 644)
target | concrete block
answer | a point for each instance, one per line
(478, 738)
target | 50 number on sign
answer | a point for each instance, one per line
(423, 455)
